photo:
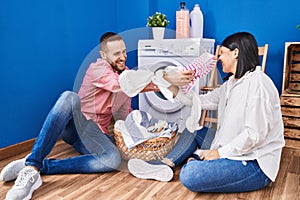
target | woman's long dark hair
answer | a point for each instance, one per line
(248, 57)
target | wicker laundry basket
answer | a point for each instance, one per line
(152, 149)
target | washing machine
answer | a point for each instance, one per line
(157, 54)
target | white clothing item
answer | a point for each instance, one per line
(250, 123)
(191, 99)
(140, 126)
(163, 84)
(131, 85)
(193, 122)
(120, 127)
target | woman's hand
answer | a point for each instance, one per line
(180, 78)
(209, 155)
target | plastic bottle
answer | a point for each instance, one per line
(196, 29)
(182, 22)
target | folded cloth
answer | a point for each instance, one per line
(140, 126)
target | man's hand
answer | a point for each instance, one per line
(179, 78)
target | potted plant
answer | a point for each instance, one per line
(158, 22)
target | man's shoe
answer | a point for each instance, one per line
(27, 182)
(11, 170)
(144, 170)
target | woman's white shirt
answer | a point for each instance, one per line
(249, 120)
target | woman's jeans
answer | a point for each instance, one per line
(221, 175)
(187, 144)
(66, 120)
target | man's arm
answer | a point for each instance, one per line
(151, 87)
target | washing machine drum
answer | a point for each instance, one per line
(159, 103)
(156, 99)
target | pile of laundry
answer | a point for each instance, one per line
(140, 126)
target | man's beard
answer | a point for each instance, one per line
(116, 69)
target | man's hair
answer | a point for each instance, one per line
(248, 57)
(108, 37)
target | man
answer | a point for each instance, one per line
(100, 92)
(73, 119)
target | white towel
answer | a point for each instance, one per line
(133, 82)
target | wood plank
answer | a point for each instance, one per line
(291, 189)
(278, 186)
(292, 143)
(295, 57)
(292, 133)
(290, 95)
(290, 111)
(290, 100)
(291, 122)
(294, 77)
(294, 87)
(294, 167)
(16, 149)
(295, 67)
(293, 46)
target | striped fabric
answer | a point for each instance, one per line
(201, 67)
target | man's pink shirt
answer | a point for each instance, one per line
(101, 97)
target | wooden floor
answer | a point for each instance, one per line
(122, 185)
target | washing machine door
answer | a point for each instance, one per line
(156, 99)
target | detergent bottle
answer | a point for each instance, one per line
(196, 29)
(182, 22)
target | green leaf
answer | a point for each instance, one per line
(157, 20)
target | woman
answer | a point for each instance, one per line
(245, 153)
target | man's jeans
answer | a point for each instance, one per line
(66, 120)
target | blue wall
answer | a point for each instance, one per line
(43, 44)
